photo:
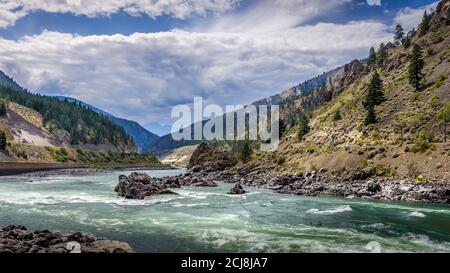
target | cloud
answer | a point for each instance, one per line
(141, 76)
(374, 2)
(270, 15)
(410, 18)
(12, 10)
(9, 13)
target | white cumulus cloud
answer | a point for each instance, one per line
(142, 75)
(270, 15)
(411, 17)
(12, 10)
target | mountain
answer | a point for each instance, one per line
(326, 120)
(338, 74)
(157, 128)
(42, 129)
(338, 77)
(83, 104)
(49, 121)
(7, 81)
(141, 136)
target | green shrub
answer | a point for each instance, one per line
(63, 151)
(422, 146)
(337, 116)
(426, 135)
(436, 38)
(421, 180)
(385, 171)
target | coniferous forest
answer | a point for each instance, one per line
(84, 125)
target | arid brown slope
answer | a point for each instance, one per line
(406, 115)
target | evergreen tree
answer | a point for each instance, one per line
(444, 116)
(375, 96)
(412, 33)
(282, 128)
(303, 126)
(2, 140)
(415, 67)
(399, 34)
(425, 25)
(372, 57)
(337, 116)
(2, 109)
(382, 55)
(245, 152)
(370, 117)
(407, 42)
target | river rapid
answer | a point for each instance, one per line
(209, 220)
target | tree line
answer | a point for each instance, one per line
(84, 125)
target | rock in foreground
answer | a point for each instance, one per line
(237, 189)
(17, 239)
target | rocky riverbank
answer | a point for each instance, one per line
(17, 239)
(64, 172)
(90, 171)
(358, 185)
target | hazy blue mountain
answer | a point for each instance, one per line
(158, 128)
(141, 136)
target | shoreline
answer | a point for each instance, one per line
(46, 169)
(316, 184)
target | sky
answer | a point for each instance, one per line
(138, 58)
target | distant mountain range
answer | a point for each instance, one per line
(141, 136)
(158, 128)
(339, 76)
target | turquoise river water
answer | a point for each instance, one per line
(209, 220)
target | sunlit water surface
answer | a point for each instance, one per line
(209, 220)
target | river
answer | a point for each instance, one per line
(209, 220)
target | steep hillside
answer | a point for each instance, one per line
(326, 124)
(179, 157)
(141, 136)
(66, 122)
(338, 74)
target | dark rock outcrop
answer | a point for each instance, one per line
(141, 185)
(209, 159)
(17, 239)
(237, 189)
(373, 186)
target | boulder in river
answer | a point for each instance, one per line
(141, 185)
(237, 189)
